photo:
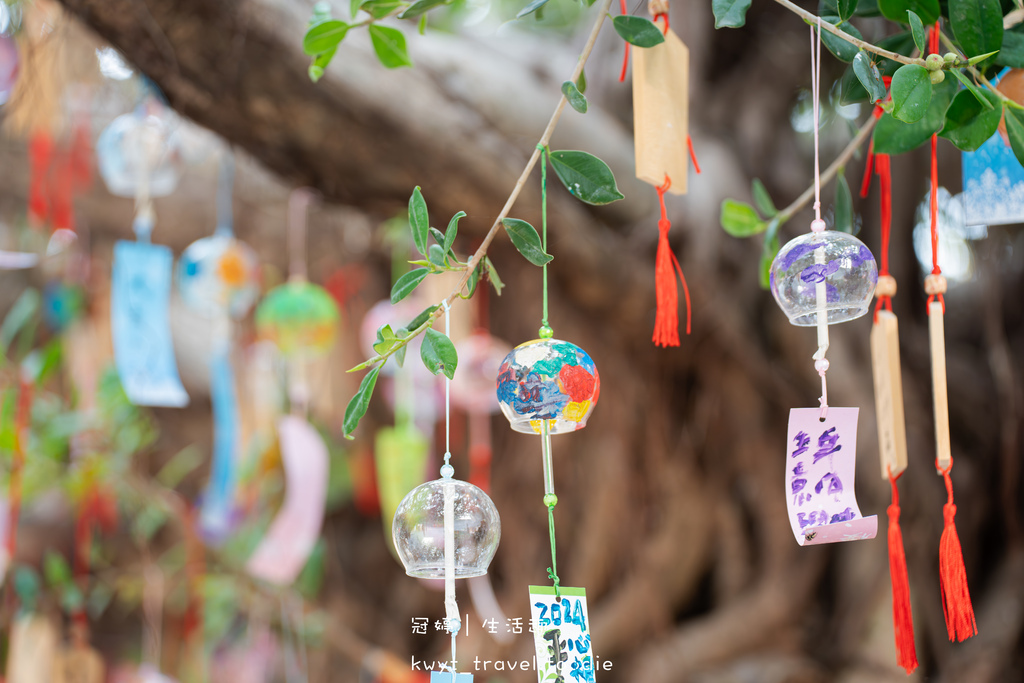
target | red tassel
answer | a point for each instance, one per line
(40, 151)
(625, 57)
(956, 598)
(902, 619)
(666, 322)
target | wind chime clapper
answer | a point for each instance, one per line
(818, 279)
(663, 151)
(447, 528)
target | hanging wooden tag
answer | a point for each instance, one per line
(820, 464)
(885, 362)
(79, 664)
(561, 634)
(661, 112)
(937, 339)
(32, 649)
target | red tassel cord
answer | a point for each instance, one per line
(666, 322)
(625, 57)
(902, 619)
(956, 598)
(882, 167)
(40, 154)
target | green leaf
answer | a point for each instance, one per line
(526, 240)
(356, 408)
(1012, 52)
(844, 205)
(968, 123)
(574, 97)
(868, 75)
(23, 310)
(473, 281)
(730, 13)
(321, 12)
(581, 83)
(911, 89)
(638, 31)
(419, 220)
(71, 599)
(436, 254)
(56, 569)
(896, 10)
(451, 231)
(846, 8)
(319, 64)
(438, 353)
(850, 88)
(437, 235)
(404, 285)
(977, 92)
(977, 25)
(740, 219)
(769, 251)
(389, 44)
(867, 8)
(917, 30)
(386, 340)
(900, 43)
(181, 464)
(492, 276)
(421, 6)
(895, 137)
(379, 9)
(585, 176)
(421, 25)
(399, 355)
(977, 59)
(1015, 131)
(532, 7)
(762, 199)
(324, 37)
(837, 46)
(419, 319)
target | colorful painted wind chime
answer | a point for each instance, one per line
(301, 319)
(218, 278)
(818, 279)
(956, 598)
(139, 157)
(447, 528)
(547, 387)
(663, 150)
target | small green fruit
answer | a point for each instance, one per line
(937, 77)
(933, 62)
(950, 57)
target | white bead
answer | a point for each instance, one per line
(818, 225)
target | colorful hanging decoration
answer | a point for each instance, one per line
(141, 149)
(301, 319)
(892, 430)
(32, 649)
(993, 179)
(218, 278)
(663, 152)
(141, 280)
(447, 529)
(956, 598)
(818, 279)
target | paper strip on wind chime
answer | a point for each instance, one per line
(561, 634)
(660, 133)
(993, 177)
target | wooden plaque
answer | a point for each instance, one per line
(937, 339)
(661, 112)
(885, 362)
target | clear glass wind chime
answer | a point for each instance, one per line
(546, 387)
(447, 528)
(819, 279)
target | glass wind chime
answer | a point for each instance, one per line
(546, 387)
(818, 279)
(447, 529)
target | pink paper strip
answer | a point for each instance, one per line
(821, 460)
(283, 552)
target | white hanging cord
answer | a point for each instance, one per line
(818, 225)
(447, 472)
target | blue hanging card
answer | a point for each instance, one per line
(218, 501)
(140, 322)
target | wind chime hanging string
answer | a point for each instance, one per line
(891, 425)
(956, 597)
(451, 606)
(818, 226)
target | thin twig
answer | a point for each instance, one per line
(840, 161)
(862, 44)
(481, 251)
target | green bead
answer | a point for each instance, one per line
(545, 332)
(550, 499)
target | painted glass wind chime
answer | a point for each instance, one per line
(447, 528)
(818, 279)
(547, 387)
(663, 151)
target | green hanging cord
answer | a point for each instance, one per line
(550, 500)
(545, 331)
